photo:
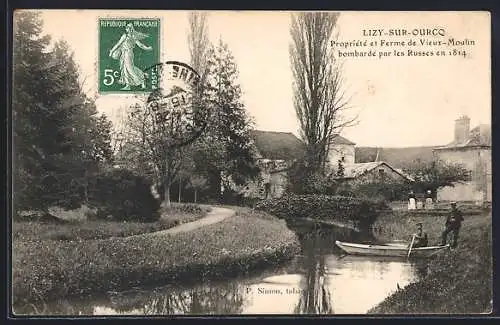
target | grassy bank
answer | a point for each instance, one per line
(52, 269)
(77, 227)
(459, 281)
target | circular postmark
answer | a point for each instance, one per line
(175, 106)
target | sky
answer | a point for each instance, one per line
(399, 101)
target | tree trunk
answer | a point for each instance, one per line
(195, 195)
(86, 193)
(166, 199)
(180, 188)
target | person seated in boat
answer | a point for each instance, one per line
(421, 239)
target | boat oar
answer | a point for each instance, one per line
(411, 245)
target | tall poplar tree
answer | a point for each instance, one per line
(319, 98)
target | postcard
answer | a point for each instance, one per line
(251, 163)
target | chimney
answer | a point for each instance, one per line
(462, 129)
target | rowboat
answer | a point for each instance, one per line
(392, 249)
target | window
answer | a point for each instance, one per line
(381, 172)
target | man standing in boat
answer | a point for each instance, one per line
(420, 238)
(453, 224)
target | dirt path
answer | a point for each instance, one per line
(215, 215)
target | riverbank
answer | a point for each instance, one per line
(49, 269)
(459, 281)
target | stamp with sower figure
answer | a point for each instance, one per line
(127, 46)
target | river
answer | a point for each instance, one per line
(320, 280)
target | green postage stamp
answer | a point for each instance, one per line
(129, 49)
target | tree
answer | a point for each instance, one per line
(199, 43)
(197, 183)
(29, 63)
(230, 125)
(57, 135)
(319, 99)
(224, 153)
(302, 181)
(147, 149)
(436, 174)
(199, 46)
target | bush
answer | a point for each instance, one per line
(123, 196)
(322, 207)
(301, 180)
(187, 208)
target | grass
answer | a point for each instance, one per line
(78, 228)
(48, 269)
(459, 281)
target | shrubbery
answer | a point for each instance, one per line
(301, 181)
(379, 192)
(188, 208)
(384, 190)
(322, 207)
(123, 195)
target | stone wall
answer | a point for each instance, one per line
(341, 150)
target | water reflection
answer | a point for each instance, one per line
(221, 299)
(315, 296)
(318, 281)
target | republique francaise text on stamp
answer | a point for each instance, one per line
(126, 48)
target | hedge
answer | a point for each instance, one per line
(322, 207)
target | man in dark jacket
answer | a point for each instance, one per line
(421, 239)
(453, 224)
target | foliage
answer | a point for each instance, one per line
(198, 183)
(186, 208)
(153, 149)
(199, 43)
(123, 195)
(322, 207)
(151, 145)
(436, 174)
(224, 153)
(319, 99)
(51, 269)
(58, 137)
(388, 191)
(302, 180)
(230, 125)
(225, 147)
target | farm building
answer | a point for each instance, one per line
(472, 148)
(275, 152)
(378, 171)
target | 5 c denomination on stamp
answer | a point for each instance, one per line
(126, 47)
